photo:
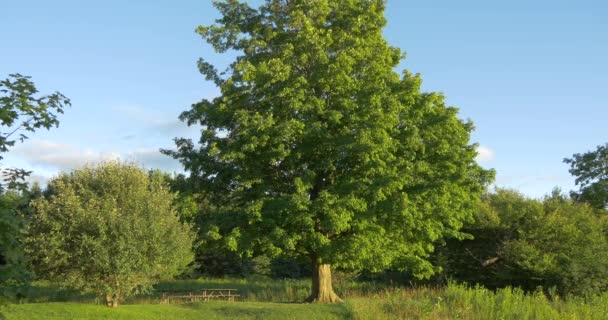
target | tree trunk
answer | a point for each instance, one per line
(111, 300)
(322, 289)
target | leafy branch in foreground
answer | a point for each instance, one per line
(21, 110)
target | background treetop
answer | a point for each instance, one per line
(591, 172)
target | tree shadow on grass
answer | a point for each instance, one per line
(272, 310)
(230, 313)
(48, 292)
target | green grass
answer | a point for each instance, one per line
(208, 310)
(260, 289)
(462, 302)
(273, 299)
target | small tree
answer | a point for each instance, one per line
(110, 228)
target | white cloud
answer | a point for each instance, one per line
(484, 154)
(63, 157)
(37, 178)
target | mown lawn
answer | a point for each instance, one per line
(208, 310)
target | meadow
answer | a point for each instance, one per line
(264, 298)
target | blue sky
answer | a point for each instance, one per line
(532, 76)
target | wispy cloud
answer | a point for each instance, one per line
(552, 178)
(37, 178)
(153, 120)
(63, 157)
(128, 137)
(484, 154)
(139, 114)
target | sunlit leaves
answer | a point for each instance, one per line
(21, 110)
(110, 228)
(591, 172)
(316, 146)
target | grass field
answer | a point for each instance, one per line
(274, 299)
(461, 302)
(208, 310)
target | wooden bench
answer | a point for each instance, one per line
(170, 296)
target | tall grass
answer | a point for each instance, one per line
(463, 302)
(255, 289)
(259, 289)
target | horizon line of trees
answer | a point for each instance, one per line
(558, 243)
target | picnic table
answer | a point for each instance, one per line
(199, 295)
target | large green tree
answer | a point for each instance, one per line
(591, 172)
(111, 229)
(317, 146)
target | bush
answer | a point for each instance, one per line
(529, 243)
(111, 229)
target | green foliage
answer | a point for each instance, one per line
(20, 109)
(12, 271)
(212, 310)
(566, 248)
(591, 172)
(317, 147)
(14, 214)
(553, 243)
(111, 229)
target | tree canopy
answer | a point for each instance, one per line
(317, 146)
(110, 228)
(591, 172)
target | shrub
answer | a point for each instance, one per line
(110, 228)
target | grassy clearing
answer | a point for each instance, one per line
(271, 299)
